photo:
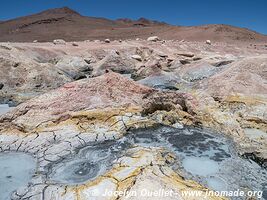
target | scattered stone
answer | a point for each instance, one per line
(196, 58)
(38, 85)
(16, 65)
(59, 41)
(190, 55)
(153, 39)
(208, 42)
(137, 57)
(35, 41)
(161, 54)
(185, 61)
(222, 63)
(1, 86)
(75, 44)
(107, 40)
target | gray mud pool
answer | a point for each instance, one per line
(4, 108)
(16, 170)
(203, 156)
(90, 162)
(206, 157)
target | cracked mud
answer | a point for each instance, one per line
(206, 157)
(201, 155)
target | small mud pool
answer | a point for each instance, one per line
(4, 108)
(16, 170)
(90, 162)
(203, 156)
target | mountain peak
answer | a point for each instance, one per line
(63, 10)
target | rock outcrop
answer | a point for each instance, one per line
(247, 76)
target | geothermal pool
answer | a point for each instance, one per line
(201, 155)
(4, 108)
(206, 157)
(90, 162)
(16, 170)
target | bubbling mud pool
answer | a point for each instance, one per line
(89, 163)
(202, 155)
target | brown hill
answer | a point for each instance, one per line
(69, 25)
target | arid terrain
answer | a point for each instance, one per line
(111, 113)
(69, 25)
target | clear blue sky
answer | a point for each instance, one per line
(251, 14)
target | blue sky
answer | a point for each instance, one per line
(251, 14)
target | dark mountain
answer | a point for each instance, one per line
(140, 22)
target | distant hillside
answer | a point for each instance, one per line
(69, 25)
